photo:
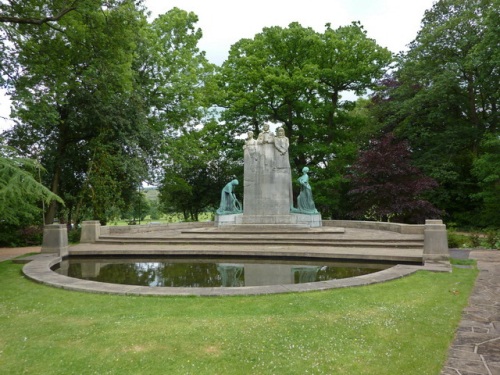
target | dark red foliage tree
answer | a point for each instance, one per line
(386, 187)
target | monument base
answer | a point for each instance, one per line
(312, 221)
(231, 219)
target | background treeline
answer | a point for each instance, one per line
(105, 100)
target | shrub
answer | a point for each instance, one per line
(74, 235)
(493, 239)
(456, 240)
(13, 236)
(475, 241)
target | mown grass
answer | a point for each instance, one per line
(400, 327)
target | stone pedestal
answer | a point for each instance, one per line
(435, 241)
(267, 185)
(91, 230)
(231, 219)
(312, 221)
(267, 182)
(55, 239)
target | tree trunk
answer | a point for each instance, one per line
(51, 212)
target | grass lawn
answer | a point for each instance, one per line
(400, 327)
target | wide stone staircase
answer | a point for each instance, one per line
(204, 239)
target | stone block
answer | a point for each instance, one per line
(231, 219)
(435, 240)
(91, 230)
(312, 221)
(55, 239)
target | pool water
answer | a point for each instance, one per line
(223, 272)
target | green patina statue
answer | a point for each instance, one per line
(305, 202)
(229, 204)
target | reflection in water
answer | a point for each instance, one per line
(231, 274)
(306, 274)
(209, 273)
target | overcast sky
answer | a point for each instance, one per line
(392, 23)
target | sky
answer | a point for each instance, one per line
(392, 23)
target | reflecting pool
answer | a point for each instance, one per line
(218, 272)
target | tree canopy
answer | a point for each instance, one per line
(105, 99)
(443, 99)
(297, 77)
(386, 186)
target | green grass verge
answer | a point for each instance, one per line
(463, 262)
(399, 327)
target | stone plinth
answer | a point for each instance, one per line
(91, 230)
(232, 219)
(55, 239)
(312, 221)
(435, 240)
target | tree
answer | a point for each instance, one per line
(30, 12)
(178, 75)
(199, 164)
(486, 169)
(296, 77)
(20, 193)
(444, 100)
(180, 97)
(385, 186)
(79, 103)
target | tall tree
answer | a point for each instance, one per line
(180, 98)
(296, 77)
(486, 169)
(179, 75)
(444, 99)
(78, 104)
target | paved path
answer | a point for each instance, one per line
(7, 253)
(476, 348)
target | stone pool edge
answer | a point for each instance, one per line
(39, 270)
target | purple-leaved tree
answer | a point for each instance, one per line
(386, 187)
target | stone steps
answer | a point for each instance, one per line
(268, 240)
(381, 253)
(291, 241)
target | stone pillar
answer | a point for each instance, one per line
(435, 240)
(91, 230)
(55, 239)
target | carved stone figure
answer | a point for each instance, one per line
(266, 136)
(250, 141)
(282, 169)
(305, 202)
(229, 204)
(281, 143)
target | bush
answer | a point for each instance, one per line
(74, 235)
(475, 241)
(493, 239)
(456, 240)
(13, 236)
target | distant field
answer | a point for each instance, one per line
(165, 219)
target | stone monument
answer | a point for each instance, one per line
(267, 185)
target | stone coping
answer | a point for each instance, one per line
(377, 225)
(39, 270)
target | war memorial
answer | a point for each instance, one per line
(269, 224)
(267, 187)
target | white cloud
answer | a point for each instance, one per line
(392, 23)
